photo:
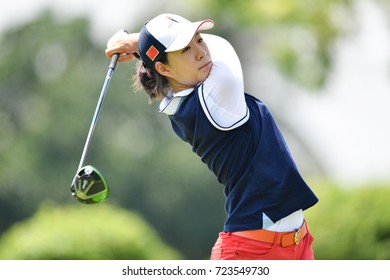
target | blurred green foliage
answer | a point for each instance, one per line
(50, 79)
(48, 97)
(296, 35)
(351, 224)
(347, 224)
(77, 232)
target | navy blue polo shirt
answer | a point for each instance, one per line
(252, 161)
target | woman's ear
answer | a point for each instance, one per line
(162, 69)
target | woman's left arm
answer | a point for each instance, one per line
(222, 93)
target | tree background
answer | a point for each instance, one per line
(51, 73)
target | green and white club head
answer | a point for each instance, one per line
(89, 186)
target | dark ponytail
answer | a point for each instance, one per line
(153, 83)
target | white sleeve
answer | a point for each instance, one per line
(222, 93)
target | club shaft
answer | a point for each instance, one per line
(107, 80)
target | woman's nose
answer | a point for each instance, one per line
(201, 53)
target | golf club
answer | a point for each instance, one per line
(89, 185)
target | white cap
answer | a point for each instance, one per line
(167, 33)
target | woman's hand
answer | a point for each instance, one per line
(124, 44)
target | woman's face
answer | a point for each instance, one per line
(188, 66)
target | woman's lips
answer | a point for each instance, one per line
(206, 65)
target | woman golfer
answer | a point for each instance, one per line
(198, 78)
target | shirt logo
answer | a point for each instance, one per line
(152, 53)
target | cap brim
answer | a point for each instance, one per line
(186, 34)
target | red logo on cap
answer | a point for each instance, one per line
(152, 52)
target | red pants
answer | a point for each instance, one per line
(232, 247)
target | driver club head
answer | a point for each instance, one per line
(89, 186)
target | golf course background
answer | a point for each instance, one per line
(164, 203)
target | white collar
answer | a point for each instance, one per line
(171, 102)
